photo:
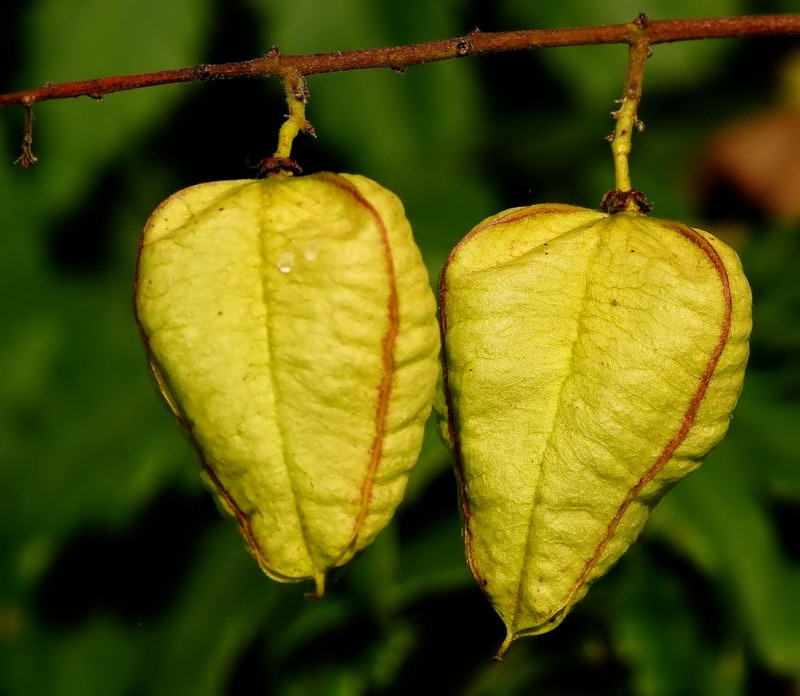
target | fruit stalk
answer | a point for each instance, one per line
(626, 115)
(297, 98)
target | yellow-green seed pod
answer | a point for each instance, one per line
(291, 327)
(591, 360)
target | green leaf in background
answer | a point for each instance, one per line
(80, 443)
(656, 596)
(71, 41)
(70, 344)
(684, 67)
(715, 517)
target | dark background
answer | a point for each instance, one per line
(118, 576)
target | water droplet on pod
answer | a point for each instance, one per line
(311, 251)
(285, 261)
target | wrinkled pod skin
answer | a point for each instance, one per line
(291, 328)
(590, 361)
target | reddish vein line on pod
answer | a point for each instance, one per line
(452, 430)
(387, 355)
(691, 412)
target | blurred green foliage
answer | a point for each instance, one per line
(117, 574)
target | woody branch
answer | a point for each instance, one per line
(474, 44)
(401, 57)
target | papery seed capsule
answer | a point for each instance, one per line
(591, 360)
(291, 328)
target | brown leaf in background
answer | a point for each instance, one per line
(758, 157)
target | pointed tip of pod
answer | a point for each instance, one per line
(319, 587)
(504, 646)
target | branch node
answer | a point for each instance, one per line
(203, 72)
(463, 48)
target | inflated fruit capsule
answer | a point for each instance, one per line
(590, 361)
(291, 328)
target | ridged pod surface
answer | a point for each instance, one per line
(590, 361)
(291, 327)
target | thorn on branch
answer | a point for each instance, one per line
(27, 158)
